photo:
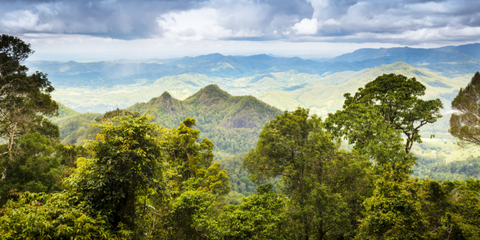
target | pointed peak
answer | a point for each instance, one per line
(212, 90)
(209, 95)
(162, 99)
(165, 95)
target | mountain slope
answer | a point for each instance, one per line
(233, 123)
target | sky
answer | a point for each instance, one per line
(88, 30)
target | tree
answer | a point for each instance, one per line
(465, 122)
(185, 152)
(259, 216)
(376, 120)
(451, 208)
(125, 168)
(389, 102)
(394, 211)
(22, 96)
(196, 185)
(42, 216)
(325, 185)
(192, 216)
(36, 168)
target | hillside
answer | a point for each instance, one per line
(233, 123)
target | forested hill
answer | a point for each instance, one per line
(232, 123)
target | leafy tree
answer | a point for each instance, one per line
(394, 211)
(464, 124)
(196, 185)
(192, 216)
(376, 120)
(185, 152)
(212, 180)
(451, 208)
(42, 216)
(325, 185)
(22, 96)
(125, 168)
(35, 169)
(259, 216)
(392, 102)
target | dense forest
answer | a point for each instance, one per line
(137, 179)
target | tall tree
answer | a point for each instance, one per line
(326, 185)
(376, 120)
(465, 122)
(395, 100)
(22, 96)
(125, 169)
(185, 152)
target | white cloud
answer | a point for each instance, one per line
(200, 24)
(306, 26)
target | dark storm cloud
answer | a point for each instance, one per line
(398, 21)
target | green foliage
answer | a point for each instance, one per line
(451, 208)
(239, 179)
(259, 216)
(395, 99)
(394, 211)
(42, 216)
(465, 123)
(325, 185)
(77, 128)
(35, 169)
(185, 153)
(213, 180)
(191, 218)
(138, 180)
(124, 167)
(24, 98)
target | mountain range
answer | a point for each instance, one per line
(233, 123)
(280, 81)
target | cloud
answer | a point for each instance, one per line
(396, 21)
(306, 26)
(200, 24)
(107, 18)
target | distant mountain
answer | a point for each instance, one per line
(104, 86)
(449, 61)
(109, 74)
(233, 123)
(461, 53)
